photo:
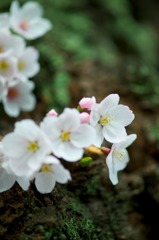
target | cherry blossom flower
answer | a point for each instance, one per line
(68, 136)
(28, 21)
(87, 102)
(118, 157)
(51, 172)
(110, 119)
(7, 178)
(19, 97)
(28, 65)
(11, 42)
(8, 65)
(25, 148)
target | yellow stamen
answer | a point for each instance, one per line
(118, 155)
(46, 168)
(104, 120)
(21, 65)
(4, 66)
(65, 136)
(33, 146)
(1, 49)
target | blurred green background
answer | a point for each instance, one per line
(116, 34)
(108, 31)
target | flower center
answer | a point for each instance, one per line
(33, 146)
(46, 168)
(21, 65)
(4, 66)
(23, 25)
(1, 49)
(104, 120)
(65, 136)
(118, 155)
(13, 93)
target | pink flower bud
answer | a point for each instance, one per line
(52, 113)
(87, 103)
(84, 117)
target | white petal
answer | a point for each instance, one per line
(45, 182)
(94, 116)
(6, 180)
(23, 182)
(112, 171)
(68, 152)
(108, 103)
(19, 167)
(50, 126)
(37, 29)
(31, 10)
(14, 9)
(70, 119)
(11, 143)
(29, 59)
(84, 136)
(61, 174)
(11, 108)
(4, 20)
(99, 136)
(28, 103)
(51, 160)
(116, 161)
(123, 115)
(126, 142)
(114, 132)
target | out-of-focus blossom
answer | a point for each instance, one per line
(7, 178)
(19, 97)
(27, 20)
(11, 42)
(28, 65)
(8, 64)
(25, 149)
(51, 172)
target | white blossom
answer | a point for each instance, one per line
(68, 135)
(8, 64)
(8, 178)
(27, 20)
(110, 119)
(51, 172)
(19, 97)
(28, 65)
(118, 157)
(25, 148)
(11, 42)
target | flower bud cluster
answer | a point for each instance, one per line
(18, 62)
(33, 153)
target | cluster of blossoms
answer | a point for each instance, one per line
(33, 153)
(18, 62)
